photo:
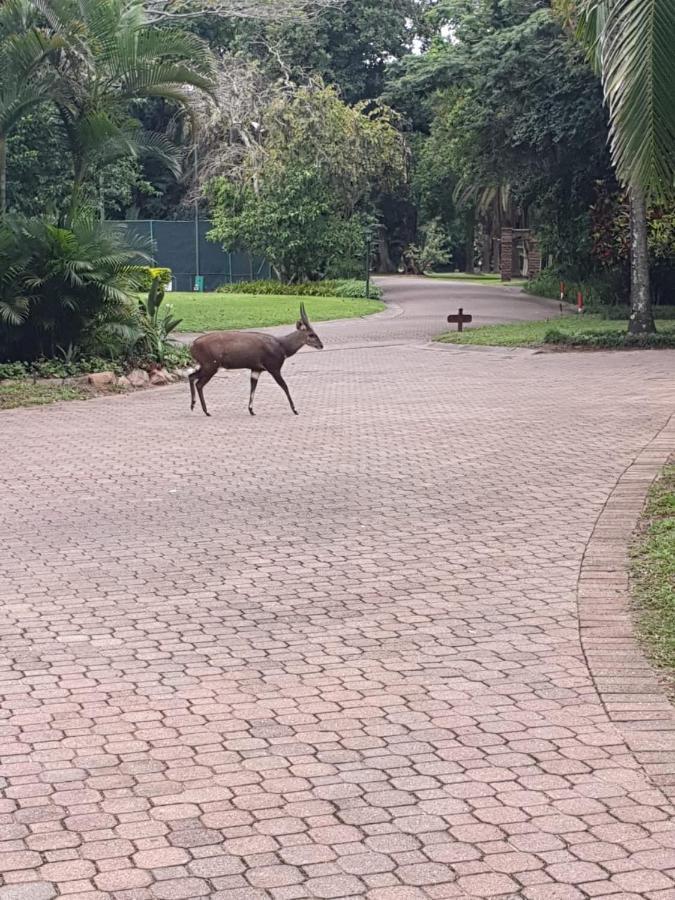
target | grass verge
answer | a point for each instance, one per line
(653, 575)
(571, 331)
(26, 393)
(495, 278)
(220, 312)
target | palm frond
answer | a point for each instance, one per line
(632, 43)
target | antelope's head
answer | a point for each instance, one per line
(311, 337)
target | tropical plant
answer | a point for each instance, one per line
(150, 273)
(24, 80)
(631, 43)
(112, 59)
(156, 323)
(433, 251)
(62, 284)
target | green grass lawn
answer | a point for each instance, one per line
(653, 573)
(490, 278)
(531, 334)
(25, 393)
(220, 312)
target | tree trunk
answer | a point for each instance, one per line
(486, 247)
(641, 316)
(385, 266)
(470, 236)
(3, 176)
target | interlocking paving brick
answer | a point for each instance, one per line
(338, 656)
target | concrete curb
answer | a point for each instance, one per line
(626, 682)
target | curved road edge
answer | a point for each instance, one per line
(626, 682)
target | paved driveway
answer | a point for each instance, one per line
(333, 656)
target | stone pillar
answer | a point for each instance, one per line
(507, 254)
(534, 258)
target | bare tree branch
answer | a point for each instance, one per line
(266, 10)
(232, 124)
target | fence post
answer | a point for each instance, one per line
(152, 243)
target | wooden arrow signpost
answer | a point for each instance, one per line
(460, 317)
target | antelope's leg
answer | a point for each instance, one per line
(254, 384)
(192, 378)
(205, 375)
(282, 384)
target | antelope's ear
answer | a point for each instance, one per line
(300, 326)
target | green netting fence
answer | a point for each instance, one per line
(195, 261)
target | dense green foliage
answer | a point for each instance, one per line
(515, 127)
(417, 128)
(71, 74)
(62, 287)
(300, 197)
(78, 67)
(611, 339)
(149, 273)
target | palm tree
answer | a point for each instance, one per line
(112, 59)
(631, 43)
(24, 80)
(59, 284)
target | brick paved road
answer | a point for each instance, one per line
(334, 656)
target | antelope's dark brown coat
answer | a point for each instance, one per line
(248, 350)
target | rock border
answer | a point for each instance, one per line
(105, 384)
(627, 683)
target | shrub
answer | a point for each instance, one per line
(58, 368)
(59, 285)
(13, 370)
(611, 339)
(434, 250)
(156, 326)
(177, 356)
(148, 275)
(293, 221)
(623, 312)
(346, 287)
(599, 291)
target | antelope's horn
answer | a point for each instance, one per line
(303, 314)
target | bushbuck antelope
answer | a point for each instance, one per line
(248, 350)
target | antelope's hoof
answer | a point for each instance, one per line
(295, 412)
(251, 411)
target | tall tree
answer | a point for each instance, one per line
(297, 186)
(24, 80)
(632, 43)
(513, 123)
(272, 10)
(112, 59)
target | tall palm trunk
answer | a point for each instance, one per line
(641, 316)
(3, 175)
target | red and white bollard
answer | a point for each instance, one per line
(580, 302)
